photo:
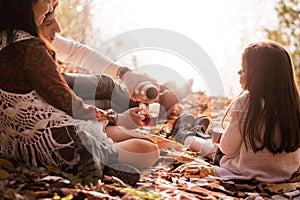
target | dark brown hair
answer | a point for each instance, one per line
(273, 99)
(48, 44)
(55, 6)
(17, 15)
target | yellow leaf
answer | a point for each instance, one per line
(3, 174)
(199, 172)
(295, 179)
(6, 164)
(283, 187)
(69, 197)
(56, 197)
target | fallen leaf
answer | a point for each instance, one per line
(283, 187)
(164, 143)
(295, 177)
(198, 171)
(6, 164)
(144, 194)
(3, 174)
(57, 197)
(160, 141)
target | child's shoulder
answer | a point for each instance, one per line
(240, 103)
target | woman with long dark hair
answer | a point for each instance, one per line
(42, 121)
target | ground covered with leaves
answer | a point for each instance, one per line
(179, 174)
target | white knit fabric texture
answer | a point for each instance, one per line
(26, 121)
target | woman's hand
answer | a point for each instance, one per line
(130, 119)
(110, 115)
(132, 79)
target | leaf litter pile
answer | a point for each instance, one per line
(179, 173)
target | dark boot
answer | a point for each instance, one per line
(186, 125)
(183, 121)
(98, 158)
(125, 172)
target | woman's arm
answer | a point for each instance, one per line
(73, 52)
(45, 78)
(81, 55)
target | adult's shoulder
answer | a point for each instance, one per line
(21, 37)
(31, 45)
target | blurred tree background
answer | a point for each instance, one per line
(288, 29)
(76, 20)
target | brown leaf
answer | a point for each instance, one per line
(283, 187)
(3, 174)
(6, 164)
(198, 171)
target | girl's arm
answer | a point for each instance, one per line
(231, 139)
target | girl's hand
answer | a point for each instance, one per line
(130, 119)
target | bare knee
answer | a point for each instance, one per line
(138, 152)
(138, 146)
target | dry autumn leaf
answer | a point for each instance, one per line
(198, 171)
(165, 180)
(164, 143)
(6, 164)
(283, 187)
(161, 142)
(3, 174)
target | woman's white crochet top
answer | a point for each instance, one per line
(26, 121)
